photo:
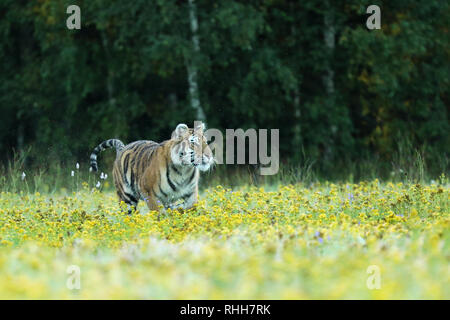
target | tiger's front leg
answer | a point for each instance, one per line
(175, 206)
(190, 200)
(151, 203)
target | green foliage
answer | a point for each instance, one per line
(261, 64)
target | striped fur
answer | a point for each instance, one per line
(160, 173)
(111, 143)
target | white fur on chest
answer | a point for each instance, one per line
(183, 181)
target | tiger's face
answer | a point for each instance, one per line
(191, 148)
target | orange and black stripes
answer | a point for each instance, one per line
(129, 166)
(111, 143)
(159, 173)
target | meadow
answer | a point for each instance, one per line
(317, 240)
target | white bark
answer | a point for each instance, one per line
(329, 36)
(191, 66)
(297, 130)
(328, 77)
(109, 78)
(297, 116)
(20, 135)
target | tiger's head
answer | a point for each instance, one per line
(190, 148)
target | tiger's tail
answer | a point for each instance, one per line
(116, 143)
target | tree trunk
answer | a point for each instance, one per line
(20, 135)
(329, 37)
(110, 89)
(297, 125)
(191, 65)
(328, 77)
(297, 130)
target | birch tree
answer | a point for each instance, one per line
(191, 64)
(329, 37)
(297, 140)
(328, 77)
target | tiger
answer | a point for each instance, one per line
(160, 174)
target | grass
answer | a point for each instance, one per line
(407, 164)
(313, 240)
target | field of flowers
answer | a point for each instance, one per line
(369, 240)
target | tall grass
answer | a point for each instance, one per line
(44, 177)
(407, 165)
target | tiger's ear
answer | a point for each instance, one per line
(180, 130)
(199, 126)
